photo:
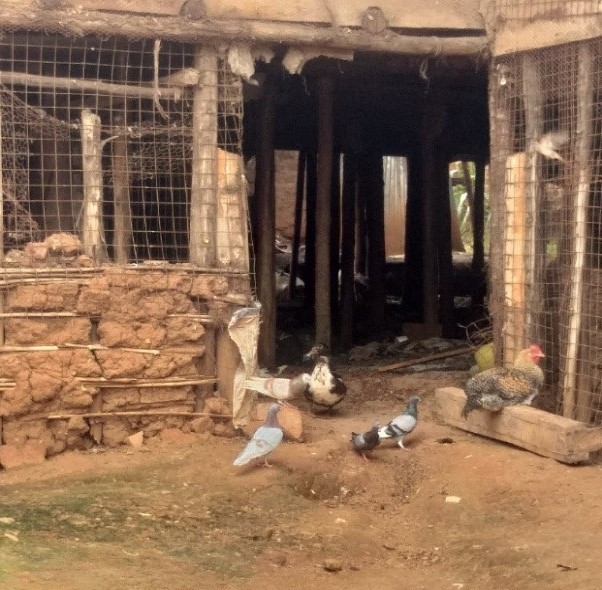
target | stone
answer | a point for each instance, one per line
(202, 424)
(36, 250)
(289, 418)
(52, 297)
(44, 387)
(65, 244)
(116, 364)
(332, 565)
(78, 425)
(176, 436)
(216, 405)
(224, 429)
(136, 440)
(31, 453)
(115, 432)
(183, 330)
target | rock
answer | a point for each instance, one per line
(332, 565)
(78, 425)
(202, 424)
(36, 250)
(65, 244)
(224, 429)
(216, 405)
(289, 418)
(115, 432)
(84, 261)
(31, 453)
(136, 440)
(176, 436)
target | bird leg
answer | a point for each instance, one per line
(364, 456)
(400, 444)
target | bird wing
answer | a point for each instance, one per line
(403, 424)
(263, 442)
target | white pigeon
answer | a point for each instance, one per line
(403, 424)
(265, 439)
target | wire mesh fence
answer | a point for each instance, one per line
(533, 9)
(124, 234)
(547, 124)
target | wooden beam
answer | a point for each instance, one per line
(299, 196)
(323, 210)
(122, 231)
(203, 191)
(26, 15)
(266, 226)
(537, 431)
(348, 249)
(93, 238)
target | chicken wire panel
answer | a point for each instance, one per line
(532, 9)
(98, 145)
(546, 140)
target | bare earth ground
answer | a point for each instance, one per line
(182, 517)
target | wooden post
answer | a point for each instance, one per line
(432, 126)
(93, 238)
(2, 291)
(310, 231)
(478, 234)
(207, 364)
(375, 226)
(348, 250)
(96, 426)
(203, 190)
(323, 210)
(266, 221)
(227, 361)
(123, 231)
(299, 195)
(444, 247)
(335, 240)
(585, 98)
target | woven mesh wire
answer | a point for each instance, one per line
(546, 138)
(533, 9)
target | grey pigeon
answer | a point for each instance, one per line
(366, 441)
(402, 424)
(265, 439)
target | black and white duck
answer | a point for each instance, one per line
(325, 389)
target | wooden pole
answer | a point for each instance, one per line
(203, 191)
(310, 231)
(123, 231)
(478, 234)
(348, 250)
(93, 238)
(323, 210)
(375, 226)
(585, 98)
(335, 240)
(27, 16)
(96, 426)
(299, 196)
(266, 221)
(445, 247)
(432, 126)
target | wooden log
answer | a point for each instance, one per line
(100, 415)
(335, 240)
(227, 359)
(299, 197)
(444, 249)
(265, 198)
(310, 231)
(478, 234)
(348, 249)
(93, 239)
(514, 254)
(27, 16)
(323, 330)
(560, 438)
(204, 151)
(424, 359)
(585, 117)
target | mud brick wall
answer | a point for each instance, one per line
(118, 309)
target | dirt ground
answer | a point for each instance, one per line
(180, 516)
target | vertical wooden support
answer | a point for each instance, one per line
(478, 234)
(227, 361)
(585, 99)
(122, 234)
(310, 231)
(444, 247)
(56, 185)
(375, 229)
(96, 426)
(93, 238)
(207, 364)
(432, 126)
(335, 240)
(323, 210)
(515, 234)
(266, 223)
(348, 250)
(299, 196)
(203, 190)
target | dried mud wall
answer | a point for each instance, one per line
(147, 326)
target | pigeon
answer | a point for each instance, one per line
(265, 439)
(402, 424)
(325, 389)
(279, 388)
(365, 442)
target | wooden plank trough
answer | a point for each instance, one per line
(549, 435)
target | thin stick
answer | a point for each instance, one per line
(575, 303)
(143, 385)
(40, 314)
(424, 359)
(199, 351)
(126, 414)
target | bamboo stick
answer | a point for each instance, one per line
(203, 191)
(92, 227)
(40, 314)
(96, 87)
(575, 304)
(199, 351)
(126, 414)
(152, 351)
(143, 385)
(424, 359)
(134, 266)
